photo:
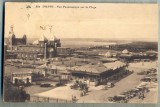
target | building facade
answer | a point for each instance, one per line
(21, 77)
(41, 48)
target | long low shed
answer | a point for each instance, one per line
(98, 70)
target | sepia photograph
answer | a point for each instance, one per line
(80, 53)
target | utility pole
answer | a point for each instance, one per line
(45, 53)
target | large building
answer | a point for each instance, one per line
(21, 77)
(100, 72)
(41, 48)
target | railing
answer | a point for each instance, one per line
(35, 98)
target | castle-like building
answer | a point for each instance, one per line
(41, 48)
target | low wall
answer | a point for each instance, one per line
(35, 98)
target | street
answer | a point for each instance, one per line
(98, 95)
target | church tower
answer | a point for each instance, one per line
(11, 37)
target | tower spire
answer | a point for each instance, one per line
(50, 28)
(11, 29)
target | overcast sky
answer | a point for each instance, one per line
(110, 21)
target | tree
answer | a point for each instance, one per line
(13, 93)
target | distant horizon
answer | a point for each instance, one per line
(106, 39)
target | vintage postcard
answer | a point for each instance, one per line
(80, 53)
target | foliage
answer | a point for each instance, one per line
(13, 93)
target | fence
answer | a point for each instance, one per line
(35, 98)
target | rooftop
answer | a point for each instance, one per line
(90, 68)
(114, 65)
(25, 72)
(43, 38)
(98, 68)
(53, 38)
